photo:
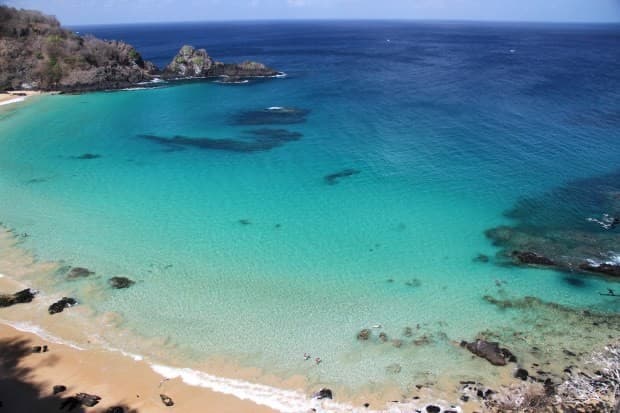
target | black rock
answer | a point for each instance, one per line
(59, 388)
(60, 305)
(79, 272)
(36, 349)
(20, 297)
(465, 398)
(490, 351)
(324, 393)
(569, 353)
(115, 409)
(88, 400)
(366, 405)
(528, 257)
(70, 403)
(521, 374)
(433, 409)
(120, 282)
(167, 401)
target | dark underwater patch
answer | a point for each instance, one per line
(270, 116)
(252, 141)
(87, 156)
(334, 178)
(572, 227)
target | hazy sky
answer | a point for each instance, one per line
(120, 11)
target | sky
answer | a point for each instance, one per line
(74, 12)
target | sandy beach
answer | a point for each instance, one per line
(27, 380)
(9, 97)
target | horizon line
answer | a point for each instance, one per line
(369, 19)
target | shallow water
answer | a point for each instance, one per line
(253, 254)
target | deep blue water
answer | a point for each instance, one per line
(253, 255)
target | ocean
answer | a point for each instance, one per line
(361, 198)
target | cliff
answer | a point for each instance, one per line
(37, 53)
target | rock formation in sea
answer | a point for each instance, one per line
(190, 62)
(571, 228)
(37, 53)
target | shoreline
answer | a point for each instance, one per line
(116, 378)
(16, 96)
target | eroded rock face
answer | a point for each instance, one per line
(491, 351)
(190, 62)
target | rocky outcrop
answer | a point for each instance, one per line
(196, 63)
(23, 296)
(37, 53)
(607, 268)
(60, 305)
(190, 62)
(491, 351)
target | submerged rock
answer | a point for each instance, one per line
(20, 297)
(491, 351)
(393, 368)
(270, 116)
(60, 305)
(87, 156)
(607, 268)
(324, 393)
(528, 257)
(120, 282)
(255, 141)
(334, 178)
(364, 334)
(79, 272)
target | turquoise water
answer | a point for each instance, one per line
(311, 264)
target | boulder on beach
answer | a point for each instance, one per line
(167, 401)
(324, 393)
(61, 304)
(20, 297)
(491, 351)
